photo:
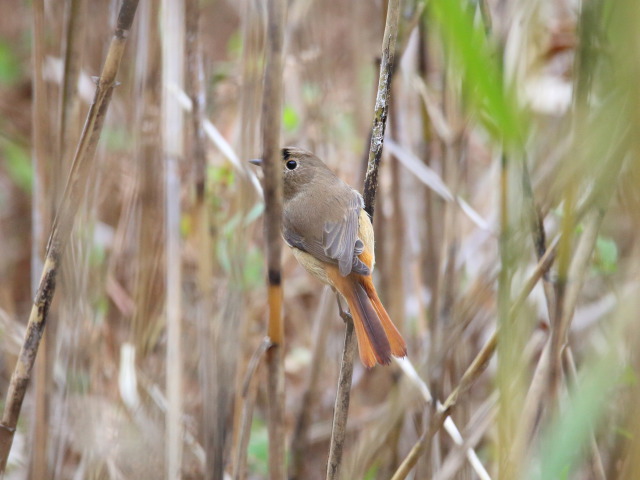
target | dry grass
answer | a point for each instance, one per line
(506, 224)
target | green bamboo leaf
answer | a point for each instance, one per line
(566, 440)
(467, 45)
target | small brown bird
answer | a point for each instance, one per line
(332, 237)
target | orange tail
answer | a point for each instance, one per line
(378, 338)
(397, 343)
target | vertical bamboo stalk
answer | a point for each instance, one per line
(173, 44)
(271, 118)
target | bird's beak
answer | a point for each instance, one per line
(256, 161)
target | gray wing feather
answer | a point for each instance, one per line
(358, 266)
(293, 239)
(339, 238)
(339, 244)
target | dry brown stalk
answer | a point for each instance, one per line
(341, 411)
(61, 229)
(271, 119)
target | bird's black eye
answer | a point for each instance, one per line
(291, 164)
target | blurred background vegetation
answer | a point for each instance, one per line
(513, 131)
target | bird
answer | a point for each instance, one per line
(331, 236)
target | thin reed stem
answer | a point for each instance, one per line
(341, 411)
(173, 22)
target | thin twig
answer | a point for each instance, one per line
(61, 229)
(382, 105)
(341, 411)
(252, 367)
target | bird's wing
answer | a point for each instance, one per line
(339, 241)
(340, 238)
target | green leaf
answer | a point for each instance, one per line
(372, 473)
(232, 224)
(290, 119)
(606, 255)
(259, 448)
(222, 254)
(623, 432)
(117, 138)
(97, 255)
(254, 213)
(186, 226)
(628, 377)
(253, 268)
(481, 74)
(311, 93)
(234, 44)
(9, 64)
(220, 175)
(18, 164)
(568, 435)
